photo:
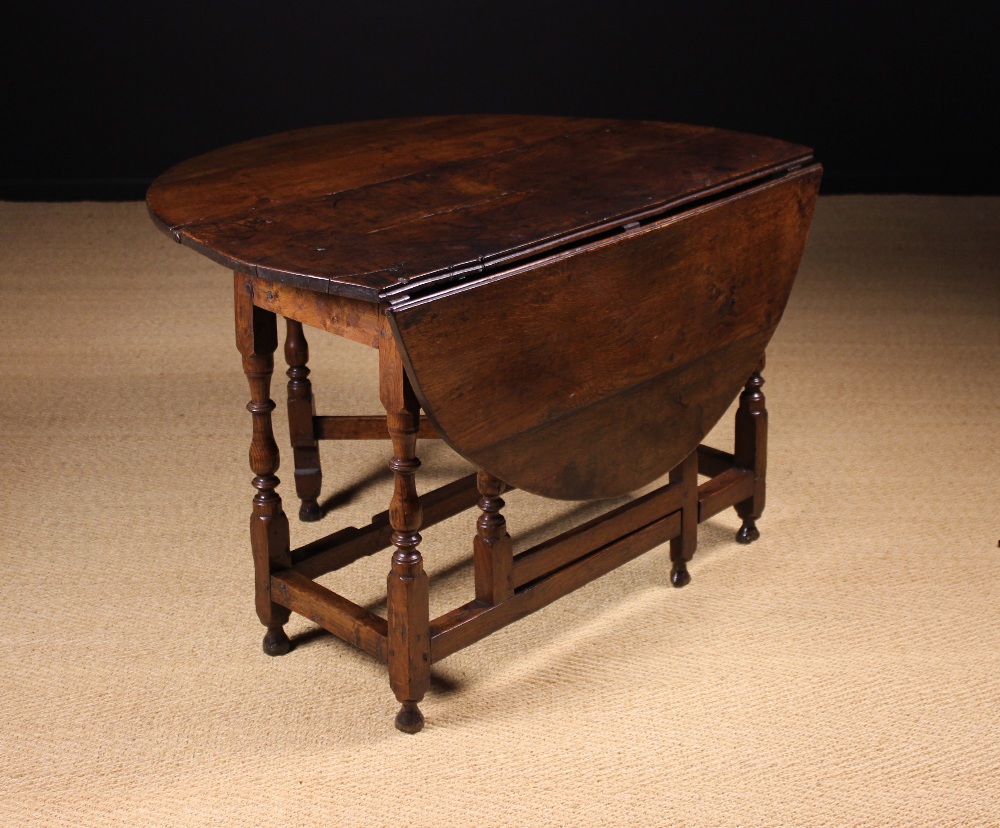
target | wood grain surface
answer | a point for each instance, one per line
(359, 209)
(591, 373)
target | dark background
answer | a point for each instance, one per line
(99, 98)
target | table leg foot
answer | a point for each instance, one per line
(680, 576)
(276, 642)
(310, 512)
(409, 719)
(748, 532)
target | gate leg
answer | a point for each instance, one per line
(301, 410)
(751, 452)
(682, 547)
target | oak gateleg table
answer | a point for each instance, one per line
(572, 303)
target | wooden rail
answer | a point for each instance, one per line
(541, 574)
(549, 555)
(348, 545)
(727, 489)
(476, 620)
(363, 428)
(713, 462)
(331, 611)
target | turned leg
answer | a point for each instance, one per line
(683, 546)
(257, 339)
(301, 410)
(493, 557)
(409, 653)
(751, 452)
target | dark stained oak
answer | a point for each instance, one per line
(751, 452)
(257, 339)
(493, 549)
(331, 611)
(550, 555)
(364, 427)
(407, 585)
(475, 620)
(634, 345)
(682, 547)
(301, 412)
(313, 163)
(572, 303)
(352, 319)
(359, 209)
(347, 545)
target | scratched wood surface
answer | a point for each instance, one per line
(363, 209)
(592, 373)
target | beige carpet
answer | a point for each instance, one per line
(844, 670)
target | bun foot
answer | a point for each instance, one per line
(309, 511)
(409, 719)
(680, 576)
(276, 643)
(748, 532)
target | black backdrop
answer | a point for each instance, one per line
(100, 97)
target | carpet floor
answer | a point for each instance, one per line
(844, 670)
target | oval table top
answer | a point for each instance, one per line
(361, 209)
